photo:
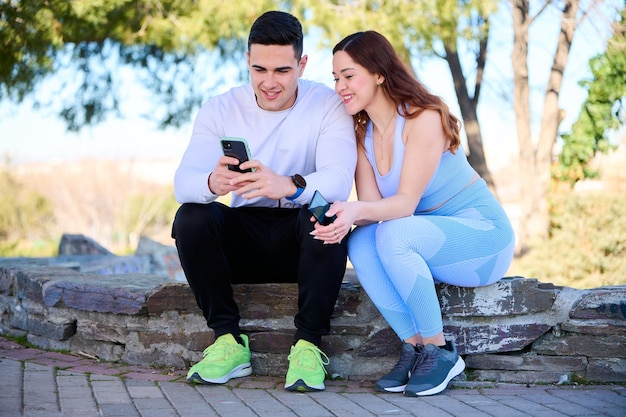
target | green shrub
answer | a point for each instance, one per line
(587, 244)
(25, 216)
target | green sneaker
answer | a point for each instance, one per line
(306, 368)
(223, 360)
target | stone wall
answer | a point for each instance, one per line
(136, 309)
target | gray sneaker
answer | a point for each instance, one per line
(433, 369)
(396, 380)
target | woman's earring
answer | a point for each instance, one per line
(379, 84)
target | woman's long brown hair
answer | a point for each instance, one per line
(374, 52)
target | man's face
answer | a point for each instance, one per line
(274, 73)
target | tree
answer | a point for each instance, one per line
(536, 160)
(161, 39)
(442, 28)
(601, 113)
(461, 25)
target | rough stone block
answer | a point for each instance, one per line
(606, 370)
(501, 336)
(382, 342)
(267, 325)
(350, 327)
(7, 277)
(348, 301)
(53, 328)
(156, 358)
(30, 282)
(276, 341)
(523, 377)
(602, 303)
(509, 296)
(49, 344)
(119, 294)
(111, 264)
(171, 296)
(262, 301)
(271, 364)
(94, 298)
(163, 258)
(103, 350)
(102, 330)
(18, 318)
(198, 341)
(607, 346)
(367, 311)
(527, 362)
(334, 345)
(597, 327)
(190, 341)
(80, 245)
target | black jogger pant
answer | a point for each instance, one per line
(219, 246)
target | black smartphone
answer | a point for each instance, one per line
(318, 207)
(237, 148)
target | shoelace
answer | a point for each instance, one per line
(406, 361)
(218, 350)
(425, 361)
(309, 357)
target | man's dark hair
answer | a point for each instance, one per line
(277, 28)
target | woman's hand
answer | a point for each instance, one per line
(337, 230)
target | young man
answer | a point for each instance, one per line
(301, 139)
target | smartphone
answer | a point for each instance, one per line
(318, 207)
(237, 148)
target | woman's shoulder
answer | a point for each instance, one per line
(419, 111)
(422, 118)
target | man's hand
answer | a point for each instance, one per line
(220, 179)
(263, 182)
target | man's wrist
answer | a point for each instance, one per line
(208, 183)
(300, 183)
(296, 195)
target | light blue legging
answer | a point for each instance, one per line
(468, 242)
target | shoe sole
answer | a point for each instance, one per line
(399, 388)
(301, 386)
(237, 372)
(458, 367)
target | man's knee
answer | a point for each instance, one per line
(191, 216)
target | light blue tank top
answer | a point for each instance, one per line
(452, 175)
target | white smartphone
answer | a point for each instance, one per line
(236, 148)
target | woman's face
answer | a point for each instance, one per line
(354, 84)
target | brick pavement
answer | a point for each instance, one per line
(37, 383)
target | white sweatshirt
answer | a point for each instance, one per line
(314, 138)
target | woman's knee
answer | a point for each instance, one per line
(361, 242)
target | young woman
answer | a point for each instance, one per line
(423, 214)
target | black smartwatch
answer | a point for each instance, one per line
(300, 183)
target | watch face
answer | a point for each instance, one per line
(299, 181)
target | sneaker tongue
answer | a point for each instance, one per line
(431, 348)
(228, 338)
(304, 344)
(407, 347)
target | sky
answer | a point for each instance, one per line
(28, 135)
